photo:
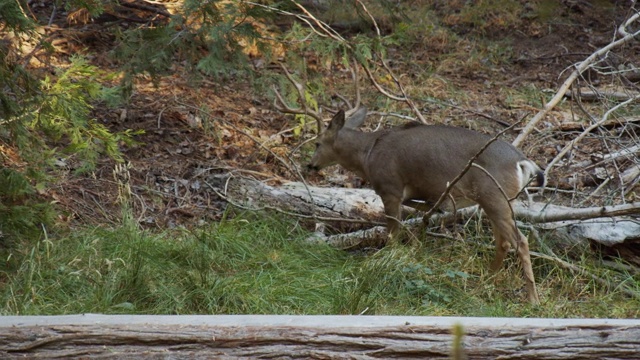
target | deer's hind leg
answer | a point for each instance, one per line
(506, 234)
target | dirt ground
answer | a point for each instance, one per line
(181, 145)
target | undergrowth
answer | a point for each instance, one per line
(263, 265)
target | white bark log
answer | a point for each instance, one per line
(611, 123)
(545, 213)
(609, 225)
(326, 337)
(587, 94)
(607, 232)
(295, 197)
(630, 176)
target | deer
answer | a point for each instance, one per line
(415, 164)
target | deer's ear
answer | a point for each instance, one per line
(336, 123)
(357, 118)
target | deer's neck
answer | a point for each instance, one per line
(354, 147)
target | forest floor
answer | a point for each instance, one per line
(192, 129)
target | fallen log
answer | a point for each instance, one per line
(299, 198)
(545, 213)
(609, 124)
(589, 94)
(609, 225)
(303, 337)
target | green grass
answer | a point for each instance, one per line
(261, 264)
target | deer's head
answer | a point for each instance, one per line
(329, 151)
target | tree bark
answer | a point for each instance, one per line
(325, 337)
(298, 198)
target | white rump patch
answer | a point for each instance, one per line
(526, 170)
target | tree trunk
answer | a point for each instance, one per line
(324, 337)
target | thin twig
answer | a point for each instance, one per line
(406, 97)
(326, 28)
(305, 110)
(380, 88)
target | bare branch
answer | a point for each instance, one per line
(407, 99)
(391, 73)
(280, 104)
(380, 88)
(373, 20)
(622, 29)
(579, 69)
(305, 110)
(302, 18)
(295, 172)
(325, 28)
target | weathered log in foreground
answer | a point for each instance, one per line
(327, 337)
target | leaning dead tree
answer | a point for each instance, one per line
(304, 337)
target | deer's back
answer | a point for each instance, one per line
(423, 158)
